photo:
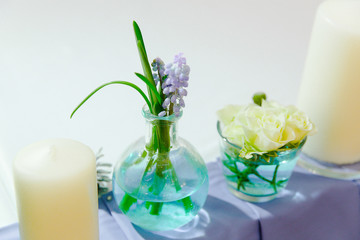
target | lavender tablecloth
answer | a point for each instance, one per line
(311, 207)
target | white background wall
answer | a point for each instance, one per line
(53, 53)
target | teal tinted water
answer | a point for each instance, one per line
(165, 201)
(270, 180)
(261, 177)
(172, 215)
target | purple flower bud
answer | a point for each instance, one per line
(173, 98)
(181, 102)
(185, 69)
(182, 92)
(158, 66)
(166, 90)
(172, 89)
(182, 77)
(172, 73)
(176, 109)
(166, 102)
(176, 85)
(168, 81)
(162, 114)
(179, 59)
(177, 71)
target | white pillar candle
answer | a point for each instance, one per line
(330, 90)
(55, 182)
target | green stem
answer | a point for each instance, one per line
(239, 179)
(126, 202)
(261, 177)
(273, 182)
(243, 176)
(156, 208)
(188, 204)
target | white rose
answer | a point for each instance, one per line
(262, 129)
(227, 114)
(266, 129)
(300, 123)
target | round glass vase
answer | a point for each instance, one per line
(161, 182)
(260, 178)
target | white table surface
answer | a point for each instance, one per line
(53, 53)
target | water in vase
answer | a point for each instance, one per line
(154, 202)
(269, 179)
(256, 179)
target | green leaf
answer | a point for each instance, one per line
(114, 82)
(147, 70)
(281, 182)
(151, 86)
(138, 36)
(146, 67)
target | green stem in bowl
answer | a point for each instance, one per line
(251, 168)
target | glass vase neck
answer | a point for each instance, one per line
(149, 116)
(161, 134)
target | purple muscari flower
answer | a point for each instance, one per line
(156, 78)
(177, 74)
(158, 67)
